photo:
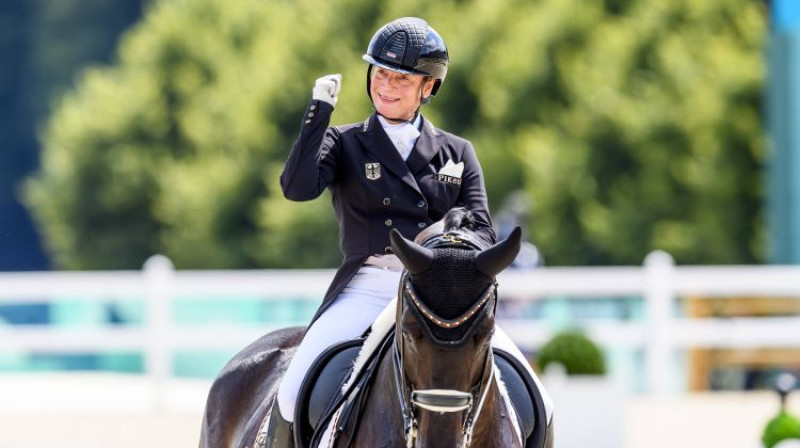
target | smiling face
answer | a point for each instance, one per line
(396, 95)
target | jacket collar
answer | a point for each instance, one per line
(374, 138)
(428, 144)
(376, 142)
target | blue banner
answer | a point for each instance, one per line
(785, 15)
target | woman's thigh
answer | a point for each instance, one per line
(350, 314)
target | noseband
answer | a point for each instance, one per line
(442, 400)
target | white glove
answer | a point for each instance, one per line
(327, 89)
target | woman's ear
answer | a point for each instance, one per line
(427, 86)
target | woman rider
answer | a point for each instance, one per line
(394, 170)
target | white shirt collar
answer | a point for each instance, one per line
(403, 135)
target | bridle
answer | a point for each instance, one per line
(442, 400)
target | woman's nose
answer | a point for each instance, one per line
(390, 81)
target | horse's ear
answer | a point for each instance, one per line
(498, 257)
(415, 258)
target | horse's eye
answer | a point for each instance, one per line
(480, 338)
(484, 332)
(412, 329)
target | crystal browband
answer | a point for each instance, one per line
(445, 323)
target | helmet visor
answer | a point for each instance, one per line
(401, 78)
(390, 66)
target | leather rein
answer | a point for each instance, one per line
(441, 400)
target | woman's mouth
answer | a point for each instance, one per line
(387, 99)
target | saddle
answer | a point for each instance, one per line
(321, 392)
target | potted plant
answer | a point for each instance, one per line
(589, 405)
(783, 427)
(578, 354)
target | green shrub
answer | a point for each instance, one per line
(784, 426)
(577, 353)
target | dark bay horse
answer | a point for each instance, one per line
(435, 385)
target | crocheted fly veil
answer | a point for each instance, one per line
(449, 285)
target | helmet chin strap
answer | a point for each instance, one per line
(398, 120)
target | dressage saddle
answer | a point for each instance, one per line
(321, 392)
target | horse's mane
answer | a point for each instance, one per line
(458, 218)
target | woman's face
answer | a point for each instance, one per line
(397, 95)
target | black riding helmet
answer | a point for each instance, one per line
(408, 45)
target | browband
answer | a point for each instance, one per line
(451, 323)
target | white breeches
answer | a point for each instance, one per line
(350, 314)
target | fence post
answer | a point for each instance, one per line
(158, 274)
(659, 295)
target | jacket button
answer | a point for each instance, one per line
(387, 249)
(421, 204)
(387, 201)
(308, 121)
(388, 222)
(312, 107)
(421, 225)
(311, 114)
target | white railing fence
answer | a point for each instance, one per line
(659, 282)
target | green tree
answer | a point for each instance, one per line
(637, 124)
(623, 120)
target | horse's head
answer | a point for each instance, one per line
(446, 316)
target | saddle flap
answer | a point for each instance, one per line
(329, 383)
(526, 399)
(322, 387)
(518, 392)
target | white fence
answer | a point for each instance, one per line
(658, 281)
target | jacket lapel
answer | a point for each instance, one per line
(377, 143)
(428, 144)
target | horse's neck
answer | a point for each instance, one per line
(381, 421)
(494, 427)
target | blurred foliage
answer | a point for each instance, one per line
(43, 43)
(783, 427)
(631, 124)
(577, 353)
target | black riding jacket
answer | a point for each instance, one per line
(374, 189)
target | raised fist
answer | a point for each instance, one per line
(327, 89)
